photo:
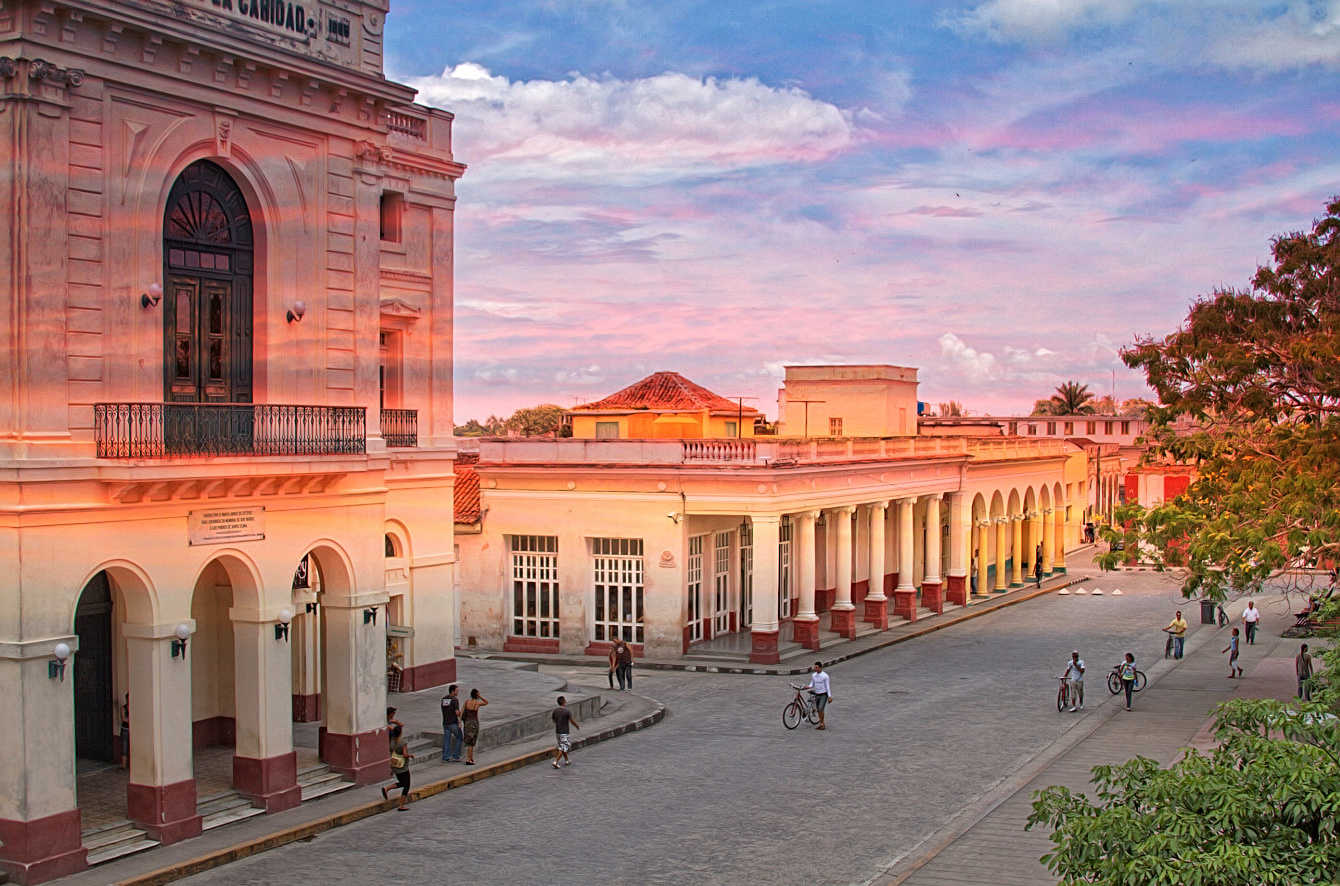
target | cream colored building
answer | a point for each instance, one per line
(766, 546)
(225, 424)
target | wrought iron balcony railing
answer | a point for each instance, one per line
(187, 430)
(400, 427)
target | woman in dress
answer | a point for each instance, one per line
(470, 723)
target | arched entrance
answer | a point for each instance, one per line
(95, 714)
(207, 312)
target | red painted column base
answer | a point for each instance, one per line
(932, 596)
(905, 604)
(806, 633)
(877, 612)
(433, 673)
(843, 623)
(824, 599)
(42, 849)
(365, 758)
(956, 592)
(166, 811)
(765, 649)
(270, 783)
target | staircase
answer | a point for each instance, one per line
(320, 780)
(225, 808)
(115, 841)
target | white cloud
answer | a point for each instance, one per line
(975, 365)
(1039, 19)
(655, 127)
(581, 375)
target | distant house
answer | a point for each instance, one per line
(664, 405)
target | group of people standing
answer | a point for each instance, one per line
(460, 725)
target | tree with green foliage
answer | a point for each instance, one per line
(1249, 389)
(1071, 398)
(536, 421)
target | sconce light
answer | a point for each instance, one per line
(281, 629)
(295, 313)
(311, 607)
(674, 516)
(151, 298)
(183, 633)
(56, 667)
(370, 616)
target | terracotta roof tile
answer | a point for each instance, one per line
(663, 391)
(466, 499)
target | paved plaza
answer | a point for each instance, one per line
(923, 776)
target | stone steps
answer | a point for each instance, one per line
(318, 781)
(225, 808)
(115, 841)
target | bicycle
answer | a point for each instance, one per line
(1063, 700)
(1114, 680)
(1168, 647)
(1223, 616)
(800, 708)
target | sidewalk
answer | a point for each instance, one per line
(987, 843)
(516, 693)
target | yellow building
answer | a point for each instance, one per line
(664, 405)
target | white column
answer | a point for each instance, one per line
(958, 535)
(876, 517)
(931, 575)
(905, 565)
(264, 763)
(1048, 537)
(1017, 547)
(805, 564)
(842, 517)
(767, 541)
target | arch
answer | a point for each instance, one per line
(400, 537)
(243, 576)
(132, 583)
(335, 565)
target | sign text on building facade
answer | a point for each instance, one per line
(220, 527)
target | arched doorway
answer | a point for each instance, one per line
(95, 715)
(207, 312)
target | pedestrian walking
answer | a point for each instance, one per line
(564, 723)
(1178, 629)
(391, 718)
(470, 723)
(1251, 617)
(1037, 566)
(1232, 650)
(614, 666)
(623, 654)
(452, 735)
(400, 757)
(125, 733)
(1128, 677)
(1074, 680)
(1302, 665)
(972, 574)
(822, 689)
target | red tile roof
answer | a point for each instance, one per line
(466, 499)
(664, 391)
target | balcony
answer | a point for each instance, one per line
(213, 430)
(400, 428)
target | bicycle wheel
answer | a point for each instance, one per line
(1113, 683)
(1139, 681)
(1060, 698)
(814, 714)
(1168, 647)
(791, 716)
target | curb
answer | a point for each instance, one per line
(367, 810)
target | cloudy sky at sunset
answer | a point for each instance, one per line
(1001, 193)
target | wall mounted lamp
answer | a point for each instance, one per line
(152, 296)
(281, 629)
(296, 312)
(183, 633)
(674, 516)
(56, 667)
(311, 607)
(370, 616)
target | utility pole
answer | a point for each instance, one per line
(739, 415)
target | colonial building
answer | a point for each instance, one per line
(225, 420)
(771, 545)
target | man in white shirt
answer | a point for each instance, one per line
(820, 687)
(1250, 616)
(1074, 680)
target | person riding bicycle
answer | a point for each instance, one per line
(820, 687)
(1178, 629)
(1074, 680)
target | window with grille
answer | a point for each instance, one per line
(618, 571)
(534, 585)
(694, 567)
(721, 583)
(746, 575)
(784, 572)
(835, 427)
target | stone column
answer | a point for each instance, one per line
(843, 612)
(39, 818)
(956, 586)
(876, 603)
(805, 626)
(931, 595)
(983, 550)
(1002, 574)
(161, 795)
(905, 594)
(1048, 537)
(1017, 549)
(354, 743)
(265, 766)
(1058, 546)
(765, 628)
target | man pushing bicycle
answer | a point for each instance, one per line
(1074, 680)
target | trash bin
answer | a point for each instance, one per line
(1207, 612)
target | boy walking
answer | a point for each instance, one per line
(1232, 650)
(563, 719)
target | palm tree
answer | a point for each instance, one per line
(1072, 398)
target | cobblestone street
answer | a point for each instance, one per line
(721, 793)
